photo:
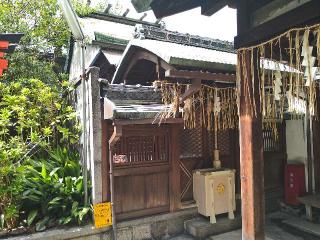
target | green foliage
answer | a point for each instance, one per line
(33, 114)
(40, 20)
(53, 190)
(37, 120)
(33, 111)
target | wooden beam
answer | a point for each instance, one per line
(316, 143)
(126, 12)
(104, 161)
(274, 9)
(316, 154)
(175, 189)
(195, 87)
(209, 7)
(120, 19)
(243, 20)
(251, 158)
(309, 163)
(147, 121)
(217, 77)
(306, 14)
(166, 8)
(232, 4)
(141, 54)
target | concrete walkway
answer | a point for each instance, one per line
(273, 232)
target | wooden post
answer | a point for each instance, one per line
(316, 143)
(175, 199)
(251, 156)
(316, 154)
(105, 161)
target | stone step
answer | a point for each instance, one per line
(201, 228)
(302, 227)
(182, 237)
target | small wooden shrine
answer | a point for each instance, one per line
(284, 32)
(169, 110)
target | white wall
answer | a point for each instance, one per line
(76, 68)
(296, 142)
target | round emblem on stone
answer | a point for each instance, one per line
(220, 188)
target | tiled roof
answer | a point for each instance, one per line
(132, 101)
(162, 34)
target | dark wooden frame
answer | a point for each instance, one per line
(125, 170)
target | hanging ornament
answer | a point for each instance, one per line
(277, 85)
(290, 101)
(217, 104)
(308, 60)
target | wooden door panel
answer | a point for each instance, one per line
(141, 171)
(157, 190)
(275, 158)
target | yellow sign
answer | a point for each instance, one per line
(220, 188)
(102, 214)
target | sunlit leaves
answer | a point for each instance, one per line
(34, 111)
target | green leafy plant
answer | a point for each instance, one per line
(37, 121)
(53, 190)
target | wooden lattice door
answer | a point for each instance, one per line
(275, 158)
(196, 149)
(191, 157)
(141, 171)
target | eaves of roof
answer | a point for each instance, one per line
(109, 46)
(100, 37)
(120, 19)
(183, 62)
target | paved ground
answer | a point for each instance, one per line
(273, 232)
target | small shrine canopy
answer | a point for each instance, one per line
(201, 66)
(131, 101)
(178, 56)
(107, 36)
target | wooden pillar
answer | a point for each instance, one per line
(316, 154)
(105, 161)
(316, 143)
(175, 190)
(251, 156)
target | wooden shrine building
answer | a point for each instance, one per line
(285, 32)
(162, 156)
(152, 158)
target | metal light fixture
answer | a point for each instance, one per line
(72, 20)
